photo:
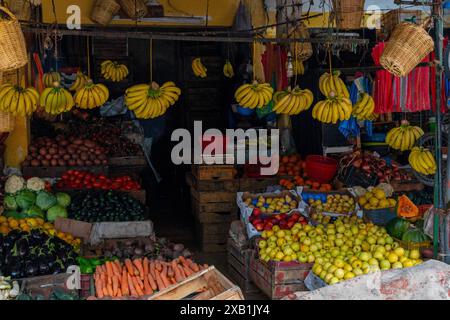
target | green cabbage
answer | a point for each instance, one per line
(45, 200)
(25, 199)
(10, 202)
(56, 211)
(63, 199)
(35, 212)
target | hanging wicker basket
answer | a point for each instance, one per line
(302, 50)
(408, 45)
(104, 10)
(13, 52)
(348, 13)
(135, 9)
(21, 9)
(7, 122)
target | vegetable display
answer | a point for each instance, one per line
(74, 179)
(141, 277)
(103, 206)
(24, 254)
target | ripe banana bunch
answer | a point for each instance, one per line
(364, 107)
(332, 85)
(254, 95)
(198, 68)
(299, 68)
(56, 100)
(18, 100)
(293, 102)
(91, 95)
(114, 71)
(50, 78)
(404, 137)
(80, 81)
(333, 110)
(151, 101)
(228, 70)
(422, 161)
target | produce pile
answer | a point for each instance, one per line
(341, 250)
(333, 203)
(284, 221)
(297, 181)
(422, 161)
(75, 179)
(65, 151)
(291, 165)
(141, 277)
(404, 137)
(34, 253)
(105, 206)
(376, 198)
(275, 204)
(402, 229)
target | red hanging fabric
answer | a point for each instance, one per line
(274, 60)
(433, 83)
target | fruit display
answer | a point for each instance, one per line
(114, 71)
(376, 198)
(292, 102)
(65, 151)
(18, 100)
(75, 179)
(284, 221)
(56, 100)
(321, 218)
(364, 107)
(331, 203)
(105, 206)
(199, 69)
(415, 235)
(397, 227)
(299, 68)
(34, 253)
(80, 81)
(404, 137)
(255, 95)
(91, 95)
(151, 101)
(141, 277)
(332, 109)
(298, 181)
(50, 78)
(227, 70)
(331, 85)
(25, 202)
(291, 165)
(422, 161)
(272, 204)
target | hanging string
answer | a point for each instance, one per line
(151, 60)
(254, 60)
(88, 47)
(329, 59)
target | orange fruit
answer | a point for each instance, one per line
(13, 223)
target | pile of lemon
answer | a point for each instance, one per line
(27, 224)
(376, 199)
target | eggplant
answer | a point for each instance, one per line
(22, 246)
(31, 268)
(43, 266)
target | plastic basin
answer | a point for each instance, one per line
(321, 169)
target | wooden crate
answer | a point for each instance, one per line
(257, 184)
(213, 197)
(211, 185)
(214, 172)
(208, 284)
(218, 216)
(212, 237)
(238, 259)
(278, 279)
(392, 18)
(57, 172)
(127, 161)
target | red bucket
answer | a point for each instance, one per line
(320, 168)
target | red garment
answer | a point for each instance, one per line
(274, 61)
(433, 83)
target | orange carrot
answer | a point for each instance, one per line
(115, 269)
(164, 278)
(145, 263)
(180, 268)
(105, 291)
(137, 286)
(115, 281)
(110, 281)
(110, 290)
(119, 293)
(173, 281)
(187, 271)
(138, 264)
(131, 285)
(152, 282)
(193, 266)
(158, 266)
(159, 282)
(124, 284)
(129, 266)
(140, 283)
(178, 276)
(118, 265)
(98, 288)
(152, 269)
(109, 269)
(147, 288)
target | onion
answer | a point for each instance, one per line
(35, 163)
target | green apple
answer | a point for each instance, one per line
(378, 255)
(311, 258)
(334, 252)
(373, 262)
(344, 248)
(301, 257)
(399, 251)
(381, 241)
(397, 265)
(385, 264)
(389, 240)
(339, 263)
(357, 271)
(357, 264)
(349, 275)
(365, 256)
(313, 248)
(371, 240)
(356, 249)
(339, 273)
(262, 244)
(307, 241)
(339, 242)
(414, 254)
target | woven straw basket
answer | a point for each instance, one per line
(13, 52)
(349, 13)
(104, 10)
(21, 9)
(408, 45)
(135, 9)
(302, 50)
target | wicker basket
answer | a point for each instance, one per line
(13, 52)
(7, 122)
(104, 10)
(349, 13)
(408, 45)
(302, 50)
(21, 9)
(408, 245)
(135, 9)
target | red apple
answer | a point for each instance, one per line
(259, 227)
(256, 211)
(290, 224)
(277, 216)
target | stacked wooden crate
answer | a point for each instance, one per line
(213, 197)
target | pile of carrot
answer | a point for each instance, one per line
(141, 276)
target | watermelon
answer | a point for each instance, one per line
(415, 235)
(397, 227)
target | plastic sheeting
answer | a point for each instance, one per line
(427, 281)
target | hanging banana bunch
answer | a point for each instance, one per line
(332, 110)
(333, 85)
(91, 95)
(404, 137)
(255, 95)
(422, 161)
(228, 70)
(114, 71)
(149, 101)
(299, 67)
(50, 78)
(198, 68)
(80, 81)
(17, 100)
(56, 100)
(292, 102)
(364, 107)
